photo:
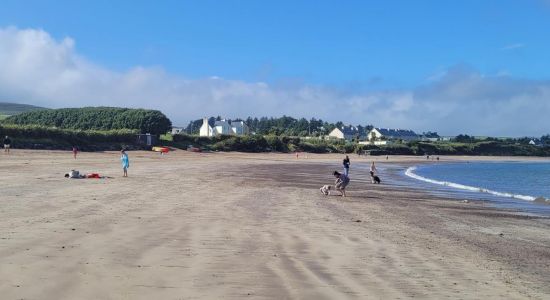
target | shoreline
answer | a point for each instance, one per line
(524, 203)
(237, 225)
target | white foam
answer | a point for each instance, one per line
(410, 172)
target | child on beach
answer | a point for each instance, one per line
(346, 164)
(75, 151)
(125, 162)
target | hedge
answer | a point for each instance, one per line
(74, 137)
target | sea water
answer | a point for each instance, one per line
(521, 185)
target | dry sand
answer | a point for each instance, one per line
(210, 226)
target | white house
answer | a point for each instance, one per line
(223, 127)
(344, 133)
(206, 129)
(377, 134)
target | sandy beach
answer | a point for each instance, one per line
(232, 225)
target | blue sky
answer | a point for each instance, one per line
(346, 49)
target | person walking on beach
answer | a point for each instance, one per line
(341, 182)
(125, 162)
(7, 144)
(75, 151)
(346, 164)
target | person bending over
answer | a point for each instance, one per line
(341, 182)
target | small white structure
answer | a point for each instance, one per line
(376, 143)
(223, 127)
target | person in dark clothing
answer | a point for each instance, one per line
(7, 144)
(346, 164)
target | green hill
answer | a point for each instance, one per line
(10, 109)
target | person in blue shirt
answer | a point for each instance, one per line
(125, 162)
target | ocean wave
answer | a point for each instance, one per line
(410, 172)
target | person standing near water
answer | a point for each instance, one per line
(346, 164)
(373, 168)
(7, 145)
(125, 162)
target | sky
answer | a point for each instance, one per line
(473, 67)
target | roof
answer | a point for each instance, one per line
(221, 123)
(349, 130)
(396, 132)
(238, 124)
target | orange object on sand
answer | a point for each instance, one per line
(161, 149)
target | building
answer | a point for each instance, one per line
(239, 128)
(147, 139)
(223, 127)
(178, 130)
(347, 133)
(536, 142)
(430, 137)
(377, 134)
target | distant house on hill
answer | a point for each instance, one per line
(177, 130)
(430, 137)
(347, 133)
(223, 127)
(535, 142)
(377, 134)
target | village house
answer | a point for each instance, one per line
(347, 133)
(536, 142)
(386, 134)
(223, 127)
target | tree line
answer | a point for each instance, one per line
(96, 118)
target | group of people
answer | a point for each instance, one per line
(342, 179)
(125, 160)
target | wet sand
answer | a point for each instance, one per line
(210, 226)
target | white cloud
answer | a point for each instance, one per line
(37, 69)
(513, 46)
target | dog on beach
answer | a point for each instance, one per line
(374, 178)
(325, 190)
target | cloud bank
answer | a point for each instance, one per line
(38, 69)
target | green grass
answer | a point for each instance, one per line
(2, 117)
(167, 137)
